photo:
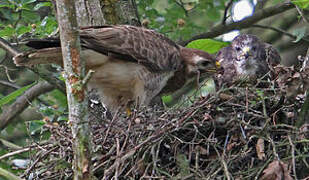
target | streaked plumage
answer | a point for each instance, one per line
(130, 63)
(246, 57)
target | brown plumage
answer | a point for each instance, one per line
(246, 58)
(130, 63)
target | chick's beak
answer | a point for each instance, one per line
(246, 52)
(218, 64)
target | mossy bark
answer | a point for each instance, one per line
(120, 12)
(74, 73)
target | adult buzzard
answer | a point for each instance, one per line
(130, 63)
(247, 57)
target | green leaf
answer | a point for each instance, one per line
(61, 99)
(9, 98)
(167, 99)
(30, 16)
(5, 4)
(28, 1)
(47, 26)
(35, 126)
(303, 4)
(7, 31)
(9, 16)
(43, 4)
(213, 14)
(299, 33)
(208, 45)
(23, 29)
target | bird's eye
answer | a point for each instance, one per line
(238, 49)
(204, 63)
(254, 48)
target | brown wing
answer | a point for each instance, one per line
(144, 46)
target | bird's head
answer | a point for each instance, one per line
(246, 47)
(198, 61)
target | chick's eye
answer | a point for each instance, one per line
(253, 48)
(237, 48)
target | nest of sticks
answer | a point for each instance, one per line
(242, 132)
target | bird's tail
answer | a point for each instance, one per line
(43, 43)
(42, 56)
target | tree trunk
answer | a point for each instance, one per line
(88, 13)
(74, 73)
(120, 12)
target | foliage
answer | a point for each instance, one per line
(20, 18)
(304, 4)
(299, 33)
(180, 19)
(11, 97)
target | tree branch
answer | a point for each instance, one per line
(247, 22)
(8, 47)
(279, 31)
(9, 84)
(9, 175)
(22, 102)
(227, 7)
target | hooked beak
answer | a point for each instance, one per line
(215, 69)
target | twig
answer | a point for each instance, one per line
(37, 160)
(229, 4)
(20, 151)
(150, 139)
(246, 23)
(293, 156)
(274, 147)
(49, 77)
(225, 168)
(6, 69)
(9, 144)
(22, 102)
(302, 14)
(87, 77)
(14, 153)
(280, 31)
(5, 45)
(180, 4)
(9, 84)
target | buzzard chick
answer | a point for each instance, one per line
(246, 57)
(130, 63)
